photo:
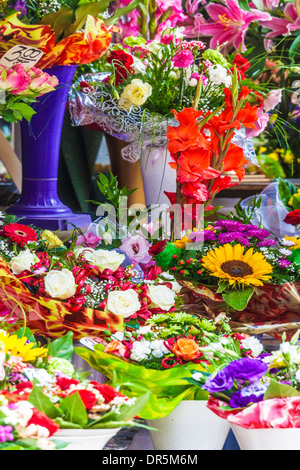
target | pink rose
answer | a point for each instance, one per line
(42, 82)
(16, 80)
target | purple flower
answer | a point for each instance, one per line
(250, 394)
(89, 239)
(269, 242)
(230, 237)
(20, 6)
(258, 233)
(223, 380)
(229, 225)
(284, 263)
(247, 369)
(6, 433)
(137, 249)
(202, 236)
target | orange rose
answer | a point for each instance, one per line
(186, 348)
(115, 347)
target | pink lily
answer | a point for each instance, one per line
(284, 26)
(229, 23)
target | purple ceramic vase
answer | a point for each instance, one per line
(39, 203)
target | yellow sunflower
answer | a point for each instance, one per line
(21, 347)
(231, 263)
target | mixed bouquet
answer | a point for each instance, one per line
(124, 99)
(86, 287)
(67, 34)
(236, 267)
(157, 356)
(261, 392)
(42, 383)
(19, 87)
(267, 33)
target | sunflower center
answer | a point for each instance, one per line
(236, 268)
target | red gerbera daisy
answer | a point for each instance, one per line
(20, 234)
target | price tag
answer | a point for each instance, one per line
(39, 374)
(20, 54)
(90, 341)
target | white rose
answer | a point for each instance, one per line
(60, 284)
(158, 348)
(217, 74)
(123, 302)
(22, 261)
(140, 350)
(161, 296)
(106, 259)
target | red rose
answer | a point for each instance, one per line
(41, 419)
(293, 217)
(89, 399)
(107, 391)
(23, 385)
(64, 383)
(122, 65)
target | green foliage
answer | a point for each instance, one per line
(238, 298)
(62, 347)
(286, 190)
(280, 390)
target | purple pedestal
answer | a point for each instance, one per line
(39, 203)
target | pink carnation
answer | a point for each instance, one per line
(183, 59)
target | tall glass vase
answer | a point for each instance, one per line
(39, 203)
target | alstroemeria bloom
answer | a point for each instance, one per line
(229, 23)
(283, 26)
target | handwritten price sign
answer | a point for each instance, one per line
(26, 55)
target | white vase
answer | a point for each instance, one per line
(157, 176)
(267, 439)
(190, 426)
(85, 439)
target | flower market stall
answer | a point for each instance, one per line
(166, 319)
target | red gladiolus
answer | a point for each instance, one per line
(293, 217)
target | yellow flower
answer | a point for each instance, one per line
(262, 149)
(20, 347)
(231, 263)
(274, 155)
(288, 157)
(181, 243)
(294, 239)
(136, 93)
(51, 238)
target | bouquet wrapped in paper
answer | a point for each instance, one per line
(84, 287)
(255, 393)
(158, 356)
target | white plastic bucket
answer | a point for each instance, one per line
(85, 439)
(267, 439)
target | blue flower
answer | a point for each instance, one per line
(250, 394)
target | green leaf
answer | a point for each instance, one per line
(294, 47)
(23, 331)
(286, 190)
(238, 299)
(26, 111)
(244, 4)
(221, 287)
(74, 410)
(82, 13)
(296, 202)
(59, 20)
(270, 167)
(43, 403)
(278, 390)
(62, 347)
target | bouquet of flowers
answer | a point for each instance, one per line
(267, 33)
(261, 392)
(157, 357)
(19, 87)
(79, 288)
(124, 99)
(66, 34)
(236, 267)
(43, 380)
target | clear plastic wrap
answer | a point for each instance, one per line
(94, 105)
(271, 213)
